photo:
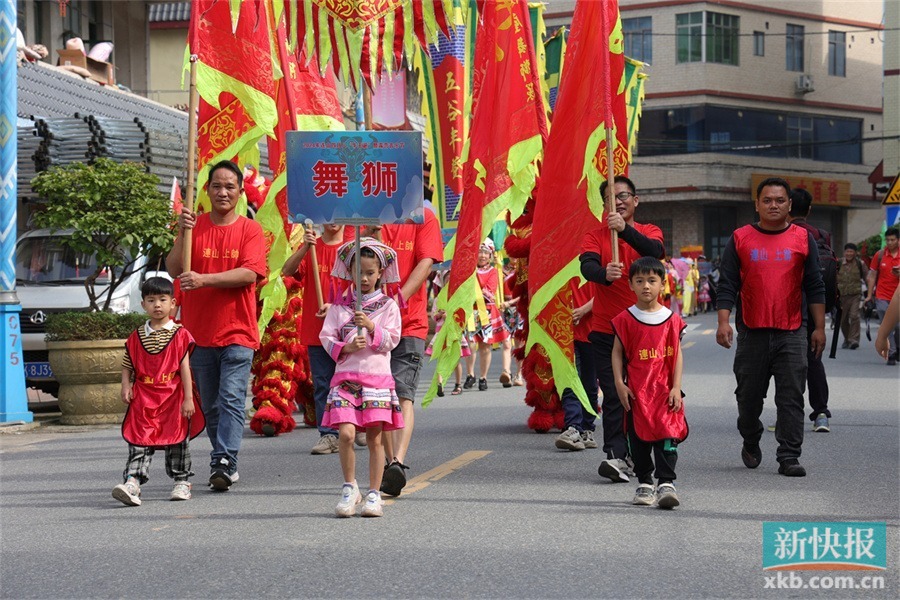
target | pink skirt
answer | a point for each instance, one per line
(362, 407)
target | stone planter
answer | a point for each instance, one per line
(90, 381)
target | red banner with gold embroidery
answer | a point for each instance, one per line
(235, 81)
(500, 171)
(591, 99)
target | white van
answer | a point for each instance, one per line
(50, 279)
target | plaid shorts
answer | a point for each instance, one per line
(178, 462)
(406, 365)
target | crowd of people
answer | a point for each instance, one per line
(367, 342)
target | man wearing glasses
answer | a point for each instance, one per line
(611, 296)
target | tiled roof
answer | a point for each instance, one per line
(169, 11)
(45, 91)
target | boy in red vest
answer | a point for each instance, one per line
(163, 411)
(647, 367)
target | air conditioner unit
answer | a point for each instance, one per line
(804, 84)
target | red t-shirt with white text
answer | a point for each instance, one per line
(215, 316)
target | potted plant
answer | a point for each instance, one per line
(114, 213)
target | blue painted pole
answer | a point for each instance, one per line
(13, 402)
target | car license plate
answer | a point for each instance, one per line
(38, 370)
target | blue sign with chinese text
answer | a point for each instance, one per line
(355, 177)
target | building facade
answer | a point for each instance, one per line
(53, 23)
(743, 90)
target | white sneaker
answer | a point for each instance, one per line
(666, 497)
(327, 444)
(181, 491)
(349, 499)
(614, 469)
(570, 439)
(128, 493)
(374, 506)
(644, 496)
(587, 437)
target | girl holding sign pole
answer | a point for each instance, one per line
(362, 389)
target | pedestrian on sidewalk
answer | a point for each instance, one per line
(850, 277)
(321, 365)
(816, 379)
(362, 390)
(163, 411)
(611, 296)
(883, 279)
(770, 273)
(219, 309)
(647, 366)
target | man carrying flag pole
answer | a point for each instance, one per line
(590, 106)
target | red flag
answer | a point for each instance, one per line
(500, 172)
(591, 99)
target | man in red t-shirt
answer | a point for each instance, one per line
(611, 296)
(418, 247)
(883, 278)
(228, 253)
(312, 316)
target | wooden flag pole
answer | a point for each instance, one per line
(193, 106)
(367, 105)
(315, 267)
(611, 191)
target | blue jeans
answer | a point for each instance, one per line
(894, 336)
(573, 411)
(222, 375)
(322, 367)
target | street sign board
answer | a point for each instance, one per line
(893, 195)
(355, 177)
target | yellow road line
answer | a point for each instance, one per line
(707, 331)
(439, 472)
(687, 345)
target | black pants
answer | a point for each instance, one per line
(760, 355)
(644, 454)
(818, 385)
(614, 443)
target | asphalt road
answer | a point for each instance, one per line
(493, 509)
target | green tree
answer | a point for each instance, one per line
(117, 214)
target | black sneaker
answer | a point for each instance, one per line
(394, 479)
(482, 384)
(791, 468)
(751, 455)
(220, 479)
(440, 390)
(469, 383)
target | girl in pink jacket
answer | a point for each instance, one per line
(362, 389)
